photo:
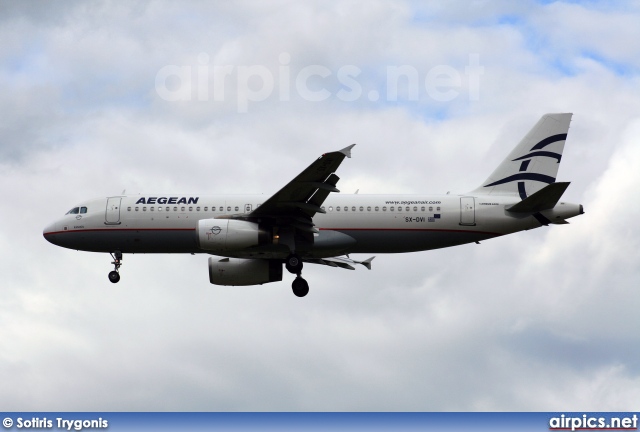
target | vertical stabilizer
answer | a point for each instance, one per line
(533, 163)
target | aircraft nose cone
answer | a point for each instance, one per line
(49, 233)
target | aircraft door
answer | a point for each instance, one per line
(467, 211)
(112, 215)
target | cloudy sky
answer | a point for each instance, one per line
(238, 97)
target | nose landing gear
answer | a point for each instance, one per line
(114, 275)
(300, 287)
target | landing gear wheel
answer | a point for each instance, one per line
(293, 263)
(114, 276)
(300, 287)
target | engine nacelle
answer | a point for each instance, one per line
(229, 234)
(237, 271)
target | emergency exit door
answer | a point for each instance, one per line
(467, 211)
(112, 215)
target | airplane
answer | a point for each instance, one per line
(250, 238)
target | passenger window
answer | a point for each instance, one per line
(175, 209)
(415, 209)
(438, 208)
(190, 208)
(377, 208)
(159, 209)
(368, 208)
(322, 208)
(353, 209)
(422, 208)
(407, 208)
(206, 208)
(168, 208)
(346, 208)
(361, 208)
(391, 208)
(384, 208)
(338, 208)
(430, 209)
(151, 208)
(228, 208)
(144, 208)
(128, 208)
(330, 208)
(237, 208)
(137, 208)
(181, 208)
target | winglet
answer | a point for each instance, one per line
(347, 151)
(367, 262)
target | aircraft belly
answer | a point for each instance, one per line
(130, 240)
(398, 241)
(331, 243)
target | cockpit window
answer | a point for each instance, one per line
(77, 210)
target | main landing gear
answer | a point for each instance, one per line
(300, 287)
(114, 275)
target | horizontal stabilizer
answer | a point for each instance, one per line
(546, 198)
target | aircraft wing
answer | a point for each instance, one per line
(296, 203)
(341, 262)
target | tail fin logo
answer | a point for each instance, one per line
(523, 175)
(533, 163)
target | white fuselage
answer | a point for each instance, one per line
(378, 223)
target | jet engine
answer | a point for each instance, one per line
(237, 271)
(230, 234)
